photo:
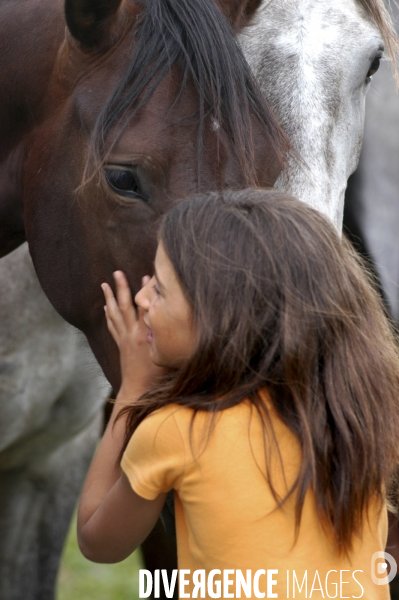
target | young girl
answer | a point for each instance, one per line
(261, 384)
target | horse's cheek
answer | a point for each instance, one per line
(78, 236)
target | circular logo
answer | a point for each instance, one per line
(379, 565)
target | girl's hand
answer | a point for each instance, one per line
(129, 331)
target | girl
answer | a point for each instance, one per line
(261, 384)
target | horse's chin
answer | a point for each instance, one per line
(106, 353)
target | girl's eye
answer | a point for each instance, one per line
(125, 182)
(156, 290)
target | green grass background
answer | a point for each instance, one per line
(80, 579)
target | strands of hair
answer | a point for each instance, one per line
(381, 17)
(197, 39)
(282, 303)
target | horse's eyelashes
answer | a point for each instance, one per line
(125, 182)
(375, 65)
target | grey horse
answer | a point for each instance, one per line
(372, 199)
(51, 390)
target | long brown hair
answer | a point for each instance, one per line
(282, 302)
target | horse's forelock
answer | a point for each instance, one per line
(195, 37)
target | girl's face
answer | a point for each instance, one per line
(167, 314)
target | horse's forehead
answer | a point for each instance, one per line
(293, 23)
(165, 125)
(316, 43)
(94, 89)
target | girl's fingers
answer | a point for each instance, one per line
(113, 313)
(111, 327)
(124, 298)
(121, 313)
(145, 280)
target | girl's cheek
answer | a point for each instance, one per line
(153, 301)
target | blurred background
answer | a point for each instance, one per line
(80, 578)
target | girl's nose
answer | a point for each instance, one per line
(142, 297)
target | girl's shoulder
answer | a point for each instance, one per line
(194, 428)
(174, 414)
(167, 417)
(183, 414)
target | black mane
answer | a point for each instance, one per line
(194, 36)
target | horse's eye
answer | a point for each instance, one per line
(125, 182)
(375, 65)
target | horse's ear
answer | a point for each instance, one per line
(239, 12)
(92, 21)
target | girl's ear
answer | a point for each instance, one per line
(239, 12)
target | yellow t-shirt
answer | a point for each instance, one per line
(226, 515)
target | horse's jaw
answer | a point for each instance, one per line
(320, 184)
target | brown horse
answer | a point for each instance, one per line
(105, 123)
(111, 111)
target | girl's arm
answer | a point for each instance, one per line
(112, 519)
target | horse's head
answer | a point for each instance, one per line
(148, 102)
(314, 62)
